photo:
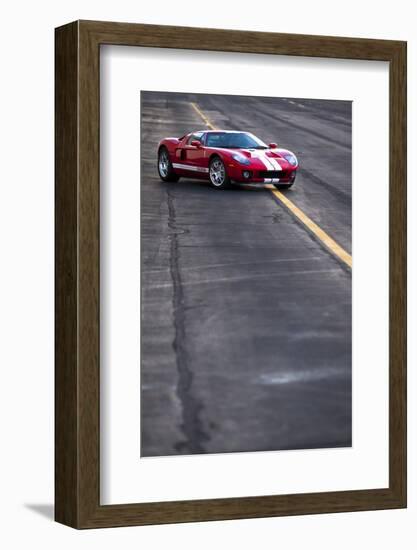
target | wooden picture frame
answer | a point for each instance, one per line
(77, 501)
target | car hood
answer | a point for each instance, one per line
(269, 158)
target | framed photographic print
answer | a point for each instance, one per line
(230, 274)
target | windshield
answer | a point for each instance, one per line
(234, 140)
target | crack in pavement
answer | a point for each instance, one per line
(191, 407)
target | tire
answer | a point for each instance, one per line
(286, 185)
(218, 174)
(165, 169)
(283, 185)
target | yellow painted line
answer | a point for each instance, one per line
(328, 242)
(203, 116)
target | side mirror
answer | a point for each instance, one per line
(272, 145)
(195, 143)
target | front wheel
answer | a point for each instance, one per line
(218, 175)
(165, 169)
(283, 185)
(286, 185)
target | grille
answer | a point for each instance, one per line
(272, 174)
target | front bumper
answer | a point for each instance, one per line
(263, 176)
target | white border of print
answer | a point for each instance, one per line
(125, 477)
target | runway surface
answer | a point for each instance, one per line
(246, 315)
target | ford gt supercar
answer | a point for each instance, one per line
(225, 157)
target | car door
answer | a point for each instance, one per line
(192, 157)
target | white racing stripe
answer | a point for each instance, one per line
(190, 167)
(275, 163)
(263, 158)
(269, 163)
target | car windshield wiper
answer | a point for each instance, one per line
(224, 146)
(247, 147)
(227, 146)
(238, 147)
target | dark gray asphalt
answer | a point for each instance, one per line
(246, 319)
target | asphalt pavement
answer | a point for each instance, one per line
(246, 315)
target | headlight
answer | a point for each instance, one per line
(292, 159)
(241, 158)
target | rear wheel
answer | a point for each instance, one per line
(165, 169)
(217, 173)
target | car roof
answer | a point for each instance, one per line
(217, 131)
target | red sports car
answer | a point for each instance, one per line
(226, 157)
